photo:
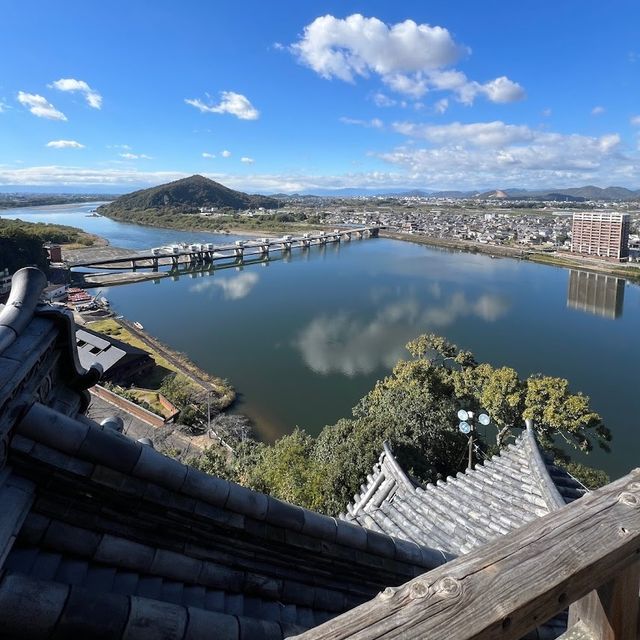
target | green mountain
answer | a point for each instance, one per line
(185, 196)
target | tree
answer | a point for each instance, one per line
(413, 409)
(288, 470)
(509, 400)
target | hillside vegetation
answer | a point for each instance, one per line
(15, 200)
(21, 242)
(184, 196)
(414, 410)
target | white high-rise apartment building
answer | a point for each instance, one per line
(601, 234)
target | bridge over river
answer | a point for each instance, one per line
(196, 256)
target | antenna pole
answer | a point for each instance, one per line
(470, 465)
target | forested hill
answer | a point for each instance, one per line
(185, 196)
(21, 242)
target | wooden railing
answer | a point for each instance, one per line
(586, 555)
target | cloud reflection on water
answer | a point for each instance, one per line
(233, 288)
(344, 344)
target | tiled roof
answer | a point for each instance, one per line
(505, 492)
(104, 537)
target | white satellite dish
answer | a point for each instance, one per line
(484, 419)
(464, 427)
(463, 415)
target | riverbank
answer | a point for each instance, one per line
(628, 272)
(167, 360)
(254, 227)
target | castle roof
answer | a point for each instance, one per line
(453, 516)
(102, 536)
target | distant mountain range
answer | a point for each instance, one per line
(573, 194)
(577, 194)
(185, 196)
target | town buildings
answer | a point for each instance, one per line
(602, 234)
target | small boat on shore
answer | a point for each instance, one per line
(137, 325)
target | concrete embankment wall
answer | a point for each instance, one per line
(130, 407)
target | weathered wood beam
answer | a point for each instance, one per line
(509, 587)
(610, 612)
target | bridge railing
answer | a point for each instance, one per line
(585, 556)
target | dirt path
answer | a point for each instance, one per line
(179, 362)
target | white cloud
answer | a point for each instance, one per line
(546, 112)
(409, 58)
(208, 155)
(135, 156)
(93, 98)
(483, 134)
(247, 160)
(597, 111)
(545, 160)
(234, 103)
(225, 153)
(441, 106)
(374, 123)
(383, 100)
(126, 147)
(40, 106)
(481, 154)
(609, 142)
(3, 106)
(65, 144)
(357, 46)
(502, 90)
(635, 121)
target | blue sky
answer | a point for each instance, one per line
(296, 96)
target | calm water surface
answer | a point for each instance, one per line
(303, 339)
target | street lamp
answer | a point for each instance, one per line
(468, 425)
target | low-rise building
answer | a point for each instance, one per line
(121, 363)
(54, 292)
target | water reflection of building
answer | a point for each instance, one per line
(596, 293)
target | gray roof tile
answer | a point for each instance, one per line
(152, 619)
(30, 608)
(458, 514)
(85, 616)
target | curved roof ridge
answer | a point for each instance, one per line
(540, 471)
(26, 286)
(387, 468)
(394, 468)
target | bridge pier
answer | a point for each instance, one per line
(187, 257)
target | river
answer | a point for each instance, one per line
(303, 339)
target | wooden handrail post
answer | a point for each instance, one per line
(508, 587)
(611, 611)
